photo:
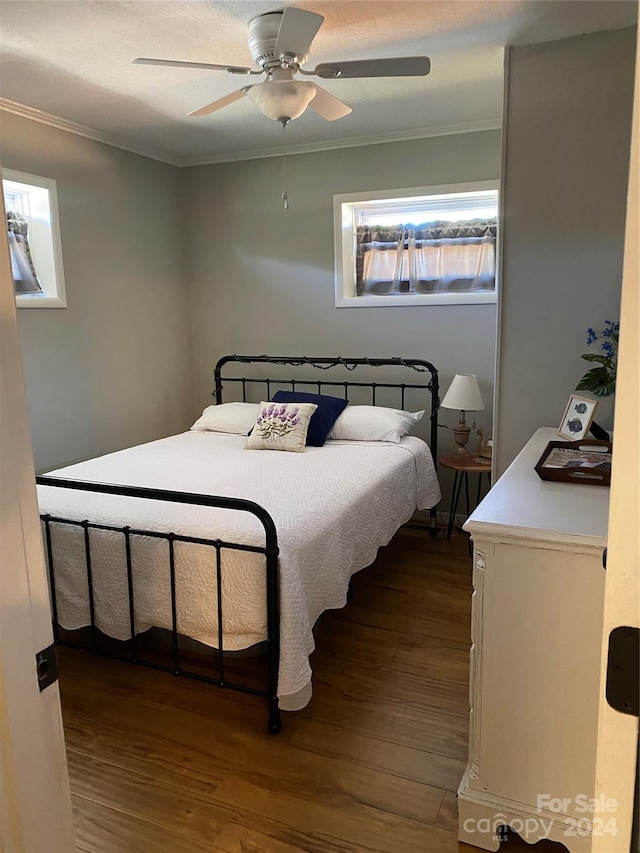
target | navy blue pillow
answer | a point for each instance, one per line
(322, 419)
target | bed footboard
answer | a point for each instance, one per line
(269, 550)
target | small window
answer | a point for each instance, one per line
(427, 246)
(31, 208)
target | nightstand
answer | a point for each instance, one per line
(463, 465)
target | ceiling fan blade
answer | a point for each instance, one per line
(298, 29)
(327, 105)
(176, 63)
(214, 106)
(402, 66)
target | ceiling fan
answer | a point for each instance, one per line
(279, 43)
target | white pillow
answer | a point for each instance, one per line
(281, 426)
(373, 423)
(235, 418)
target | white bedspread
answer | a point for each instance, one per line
(333, 507)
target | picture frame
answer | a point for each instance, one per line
(577, 417)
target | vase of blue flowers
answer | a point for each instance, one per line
(600, 380)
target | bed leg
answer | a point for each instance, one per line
(433, 527)
(275, 723)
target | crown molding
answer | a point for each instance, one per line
(82, 130)
(198, 160)
(349, 142)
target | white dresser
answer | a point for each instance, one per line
(535, 658)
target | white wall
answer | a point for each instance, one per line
(114, 368)
(261, 278)
(567, 144)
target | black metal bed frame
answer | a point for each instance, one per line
(269, 550)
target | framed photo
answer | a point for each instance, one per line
(577, 417)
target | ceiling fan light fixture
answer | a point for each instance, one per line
(282, 100)
(279, 43)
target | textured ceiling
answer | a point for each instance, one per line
(73, 59)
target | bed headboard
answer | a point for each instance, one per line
(426, 380)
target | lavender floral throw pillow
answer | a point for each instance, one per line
(281, 426)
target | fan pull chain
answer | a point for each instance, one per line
(285, 195)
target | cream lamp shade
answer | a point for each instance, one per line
(463, 394)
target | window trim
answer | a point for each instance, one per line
(50, 300)
(344, 233)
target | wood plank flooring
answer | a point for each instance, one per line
(165, 765)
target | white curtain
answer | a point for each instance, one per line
(436, 257)
(25, 278)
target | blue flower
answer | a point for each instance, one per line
(600, 380)
(607, 348)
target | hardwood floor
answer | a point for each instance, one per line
(165, 765)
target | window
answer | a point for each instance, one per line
(31, 207)
(426, 246)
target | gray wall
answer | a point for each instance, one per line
(262, 279)
(166, 270)
(567, 144)
(114, 368)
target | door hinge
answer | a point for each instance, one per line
(46, 667)
(623, 670)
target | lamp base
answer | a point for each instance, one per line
(461, 435)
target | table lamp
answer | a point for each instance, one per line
(464, 395)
